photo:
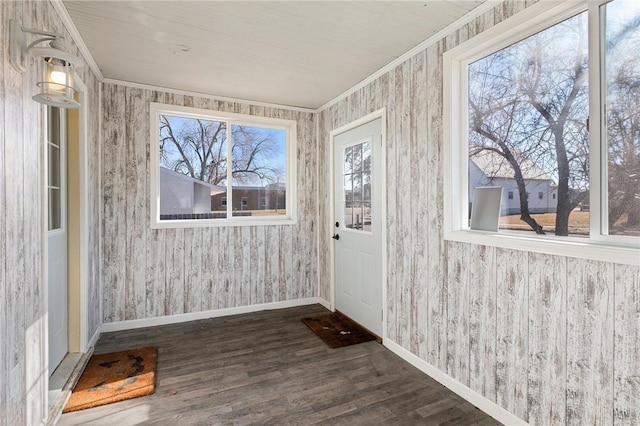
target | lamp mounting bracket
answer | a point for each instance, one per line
(18, 47)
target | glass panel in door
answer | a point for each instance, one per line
(357, 186)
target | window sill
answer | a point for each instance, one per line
(220, 223)
(561, 246)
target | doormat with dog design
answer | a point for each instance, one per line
(115, 377)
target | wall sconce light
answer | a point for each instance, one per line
(57, 87)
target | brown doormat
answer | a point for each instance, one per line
(115, 377)
(337, 330)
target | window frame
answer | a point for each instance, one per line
(598, 246)
(288, 126)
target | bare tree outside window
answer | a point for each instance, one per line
(529, 107)
(199, 149)
(528, 103)
(623, 116)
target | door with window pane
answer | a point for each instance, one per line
(57, 235)
(358, 228)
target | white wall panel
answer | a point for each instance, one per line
(537, 334)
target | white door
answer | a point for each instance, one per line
(57, 235)
(358, 227)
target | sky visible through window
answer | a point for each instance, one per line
(198, 148)
(528, 125)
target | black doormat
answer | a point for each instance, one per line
(337, 330)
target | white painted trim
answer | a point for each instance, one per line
(44, 260)
(68, 23)
(318, 236)
(575, 247)
(325, 303)
(484, 404)
(100, 263)
(91, 343)
(382, 115)
(206, 95)
(383, 182)
(84, 213)
(193, 316)
(332, 221)
(455, 25)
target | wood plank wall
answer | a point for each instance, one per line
(22, 327)
(154, 272)
(551, 339)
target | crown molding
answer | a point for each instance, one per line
(463, 20)
(63, 13)
(206, 95)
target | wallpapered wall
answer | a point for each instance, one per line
(22, 313)
(551, 339)
(154, 272)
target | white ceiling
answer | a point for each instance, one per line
(297, 53)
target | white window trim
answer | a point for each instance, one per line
(289, 126)
(455, 128)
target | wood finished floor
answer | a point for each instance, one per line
(269, 368)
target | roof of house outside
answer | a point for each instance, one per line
(215, 189)
(495, 165)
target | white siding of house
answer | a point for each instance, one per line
(176, 195)
(548, 203)
(183, 195)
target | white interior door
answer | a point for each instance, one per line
(358, 227)
(57, 235)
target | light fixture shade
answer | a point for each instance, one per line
(57, 87)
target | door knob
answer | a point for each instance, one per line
(336, 237)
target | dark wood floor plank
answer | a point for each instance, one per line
(268, 368)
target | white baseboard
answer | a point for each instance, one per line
(92, 341)
(325, 303)
(174, 319)
(484, 404)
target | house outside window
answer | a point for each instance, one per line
(210, 168)
(522, 117)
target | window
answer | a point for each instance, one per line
(263, 202)
(533, 105)
(357, 186)
(56, 176)
(211, 168)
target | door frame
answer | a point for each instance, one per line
(382, 115)
(83, 259)
(83, 223)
